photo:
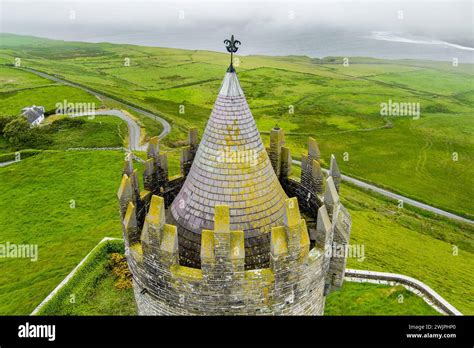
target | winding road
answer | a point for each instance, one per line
(100, 96)
(134, 131)
(404, 199)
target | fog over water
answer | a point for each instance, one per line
(437, 30)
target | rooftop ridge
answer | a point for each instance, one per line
(230, 86)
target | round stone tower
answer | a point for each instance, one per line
(223, 238)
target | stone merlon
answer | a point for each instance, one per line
(313, 149)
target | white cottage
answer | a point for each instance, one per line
(33, 114)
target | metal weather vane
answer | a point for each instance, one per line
(232, 47)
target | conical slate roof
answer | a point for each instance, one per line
(231, 167)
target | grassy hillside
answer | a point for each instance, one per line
(36, 196)
(102, 131)
(338, 105)
(19, 89)
(414, 243)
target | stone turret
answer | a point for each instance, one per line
(222, 237)
(231, 167)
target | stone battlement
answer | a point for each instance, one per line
(299, 276)
(222, 285)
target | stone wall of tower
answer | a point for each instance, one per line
(318, 197)
(292, 285)
(309, 187)
(156, 179)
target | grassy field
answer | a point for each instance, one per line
(19, 89)
(338, 105)
(93, 291)
(373, 299)
(438, 252)
(65, 203)
(101, 131)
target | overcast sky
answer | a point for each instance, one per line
(262, 25)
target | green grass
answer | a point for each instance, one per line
(375, 299)
(91, 291)
(13, 79)
(12, 102)
(414, 243)
(102, 131)
(333, 103)
(35, 208)
(11, 156)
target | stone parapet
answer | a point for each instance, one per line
(293, 285)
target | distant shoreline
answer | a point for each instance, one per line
(465, 55)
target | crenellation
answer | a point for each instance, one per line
(331, 197)
(162, 172)
(153, 148)
(125, 194)
(186, 160)
(130, 225)
(285, 166)
(313, 149)
(335, 173)
(149, 176)
(277, 140)
(323, 235)
(317, 177)
(193, 139)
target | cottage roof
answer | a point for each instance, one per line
(31, 113)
